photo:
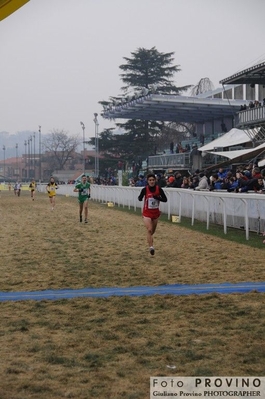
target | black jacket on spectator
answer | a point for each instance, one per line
(251, 184)
(177, 183)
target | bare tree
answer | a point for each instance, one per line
(61, 146)
(203, 86)
(174, 132)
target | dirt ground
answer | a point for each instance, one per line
(109, 347)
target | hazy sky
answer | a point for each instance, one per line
(58, 58)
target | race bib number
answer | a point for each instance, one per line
(84, 192)
(52, 189)
(153, 203)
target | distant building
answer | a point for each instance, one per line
(29, 166)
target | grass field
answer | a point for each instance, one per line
(109, 347)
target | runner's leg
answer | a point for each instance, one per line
(86, 209)
(149, 227)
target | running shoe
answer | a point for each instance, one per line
(86, 221)
(152, 250)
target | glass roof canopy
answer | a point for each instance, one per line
(170, 108)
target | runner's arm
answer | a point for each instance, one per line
(142, 194)
(162, 196)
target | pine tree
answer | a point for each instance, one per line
(146, 70)
(149, 68)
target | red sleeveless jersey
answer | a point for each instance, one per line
(151, 205)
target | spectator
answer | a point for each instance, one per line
(194, 181)
(178, 180)
(259, 186)
(141, 182)
(242, 179)
(215, 182)
(194, 150)
(232, 185)
(131, 182)
(223, 127)
(185, 182)
(203, 183)
(256, 173)
(181, 149)
(252, 184)
(226, 181)
(170, 181)
(248, 170)
(222, 174)
(161, 181)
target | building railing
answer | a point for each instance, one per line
(165, 161)
(250, 116)
(242, 211)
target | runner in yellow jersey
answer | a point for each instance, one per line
(32, 188)
(51, 190)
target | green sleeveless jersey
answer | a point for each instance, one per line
(83, 191)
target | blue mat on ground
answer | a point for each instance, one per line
(175, 289)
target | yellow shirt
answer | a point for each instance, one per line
(51, 188)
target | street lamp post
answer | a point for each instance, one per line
(29, 158)
(17, 171)
(40, 153)
(4, 149)
(25, 144)
(31, 173)
(34, 149)
(96, 145)
(84, 157)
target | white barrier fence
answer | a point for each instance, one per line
(236, 210)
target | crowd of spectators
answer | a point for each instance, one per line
(179, 149)
(246, 178)
(252, 104)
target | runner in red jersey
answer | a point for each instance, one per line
(152, 195)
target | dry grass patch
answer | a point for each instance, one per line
(50, 250)
(109, 347)
(90, 348)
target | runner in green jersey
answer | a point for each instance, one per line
(83, 190)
